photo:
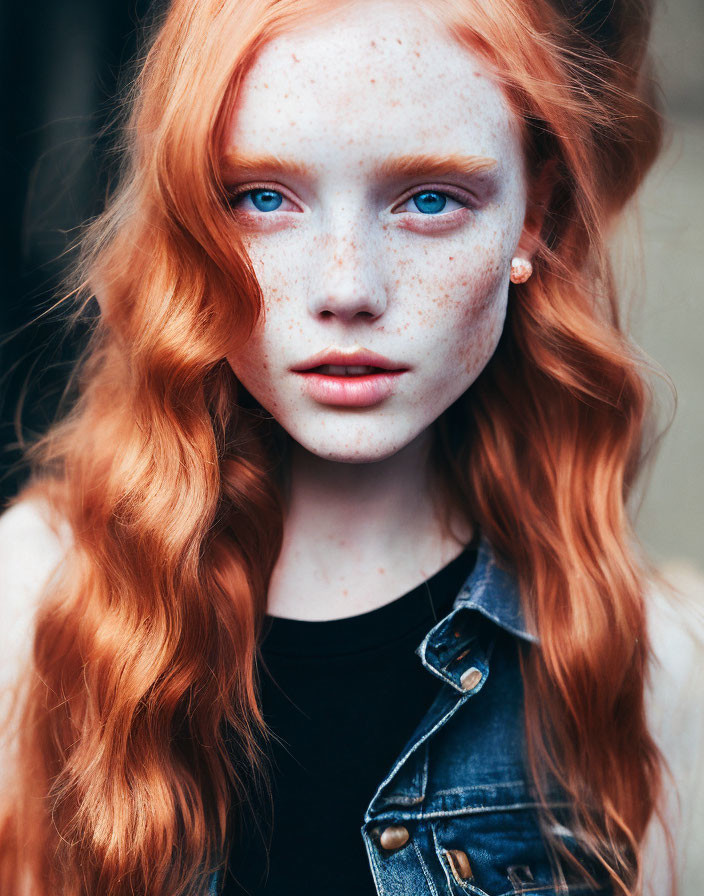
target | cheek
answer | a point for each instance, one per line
(279, 283)
(464, 304)
(273, 270)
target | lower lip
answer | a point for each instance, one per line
(351, 391)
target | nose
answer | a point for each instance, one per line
(349, 283)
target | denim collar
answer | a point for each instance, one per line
(493, 591)
(451, 649)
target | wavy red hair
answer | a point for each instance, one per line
(170, 479)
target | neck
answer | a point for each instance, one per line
(358, 535)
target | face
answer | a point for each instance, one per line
(377, 175)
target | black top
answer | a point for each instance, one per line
(344, 695)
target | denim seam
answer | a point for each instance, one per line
(528, 891)
(424, 867)
(468, 888)
(424, 779)
(376, 868)
(474, 787)
(429, 815)
(453, 709)
(443, 864)
(474, 810)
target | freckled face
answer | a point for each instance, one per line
(391, 227)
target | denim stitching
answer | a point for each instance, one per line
(443, 864)
(468, 888)
(473, 787)
(424, 867)
(376, 868)
(397, 765)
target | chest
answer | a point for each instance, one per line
(452, 811)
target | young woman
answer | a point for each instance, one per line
(337, 590)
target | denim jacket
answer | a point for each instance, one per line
(456, 813)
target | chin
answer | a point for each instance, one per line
(352, 446)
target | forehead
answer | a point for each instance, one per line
(372, 78)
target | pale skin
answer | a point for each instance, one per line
(348, 260)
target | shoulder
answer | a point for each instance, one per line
(31, 547)
(674, 701)
(675, 614)
(31, 551)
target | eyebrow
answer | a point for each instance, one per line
(432, 165)
(391, 168)
(243, 165)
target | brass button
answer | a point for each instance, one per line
(459, 864)
(470, 678)
(394, 837)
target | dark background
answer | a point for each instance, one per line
(61, 64)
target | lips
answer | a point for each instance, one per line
(355, 358)
(353, 379)
(346, 369)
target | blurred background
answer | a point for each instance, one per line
(62, 64)
(668, 316)
(62, 61)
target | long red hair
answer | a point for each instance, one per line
(168, 477)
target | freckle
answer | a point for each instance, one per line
(382, 570)
(372, 80)
(373, 43)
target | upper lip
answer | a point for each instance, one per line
(349, 358)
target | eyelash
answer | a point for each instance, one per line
(240, 194)
(462, 198)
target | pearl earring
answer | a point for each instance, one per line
(521, 269)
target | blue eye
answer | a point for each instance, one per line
(430, 202)
(265, 200)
